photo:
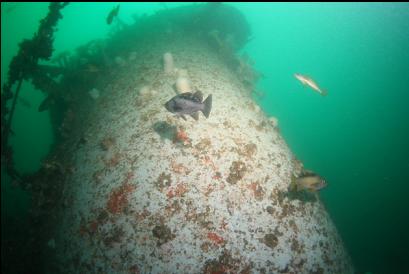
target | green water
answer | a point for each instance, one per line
(357, 137)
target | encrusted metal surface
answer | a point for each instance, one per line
(153, 193)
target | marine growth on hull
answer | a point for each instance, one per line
(149, 175)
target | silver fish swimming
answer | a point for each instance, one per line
(309, 181)
(305, 80)
(190, 104)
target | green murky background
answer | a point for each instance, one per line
(357, 137)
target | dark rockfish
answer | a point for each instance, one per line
(190, 104)
(113, 13)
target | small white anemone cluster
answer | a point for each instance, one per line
(182, 73)
(94, 93)
(168, 64)
(183, 84)
(132, 56)
(273, 121)
(146, 91)
(119, 61)
(182, 81)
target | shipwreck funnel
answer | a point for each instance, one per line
(149, 192)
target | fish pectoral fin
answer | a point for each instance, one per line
(198, 95)
(195, 116)
(312, 190)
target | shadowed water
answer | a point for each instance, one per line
(356, 137)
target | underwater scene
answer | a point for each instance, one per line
(204, 138)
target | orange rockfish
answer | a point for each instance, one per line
(305, 80)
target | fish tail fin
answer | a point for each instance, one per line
(293, 184)
(207, 106)
(324, 92)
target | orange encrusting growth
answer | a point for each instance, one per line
(215, 238)
(118, 199)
